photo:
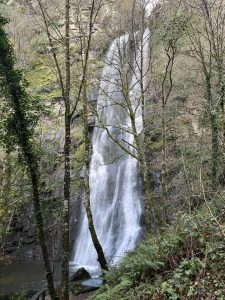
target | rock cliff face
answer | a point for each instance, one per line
(33, 55)
(184, 129)
(21, 239)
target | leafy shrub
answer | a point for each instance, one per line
(187, 261)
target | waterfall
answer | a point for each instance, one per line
(115, 181)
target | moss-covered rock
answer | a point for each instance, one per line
(85, 286)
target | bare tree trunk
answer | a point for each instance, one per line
(152, 216)
(82, 94)
(152, 213)
(67, 169)
(164, 195)
(213, 112)
(215, 147)
(32, 166)
(170, 51)
(65, 89)
(95, 240)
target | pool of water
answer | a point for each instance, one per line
(21, 275)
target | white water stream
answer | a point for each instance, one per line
(115, 183)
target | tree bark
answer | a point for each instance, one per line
(215, 147)
(32, 167)
(101, 257)
(67, 167)
(14, 90)
(35, 186)
(164, 170)
(151, 209)
(213, 112)
(82, 95)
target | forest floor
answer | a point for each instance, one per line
(187, 261)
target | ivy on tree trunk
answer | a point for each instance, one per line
(19, 127)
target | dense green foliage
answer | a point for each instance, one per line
(14, 125)
(18, 118)
(19, 127)
(185, 262)
(13, 83)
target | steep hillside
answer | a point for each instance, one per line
(179, 149)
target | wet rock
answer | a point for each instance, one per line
(93, 282)
(81, 274)
(86, 286)
(91, 121)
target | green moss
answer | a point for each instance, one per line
(156, 146)
(79, 154)
(43, 81)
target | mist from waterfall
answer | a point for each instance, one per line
(115, 181)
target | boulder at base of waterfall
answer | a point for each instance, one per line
(85, 286)
(81, 274)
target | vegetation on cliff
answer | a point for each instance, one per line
(186, 261)
(61, 47)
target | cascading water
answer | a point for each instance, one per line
(116, 187)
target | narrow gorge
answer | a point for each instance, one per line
(112, 149)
